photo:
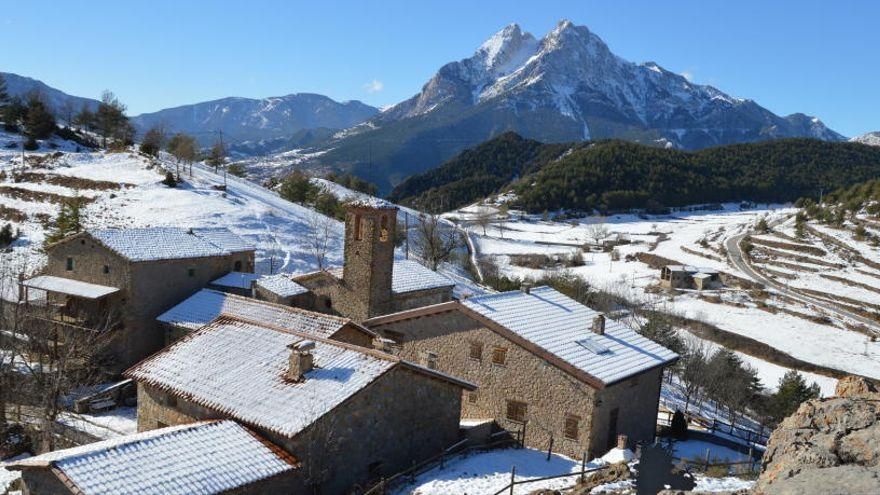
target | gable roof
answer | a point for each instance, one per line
(205, 457)
(206, 305)
(236, 280)
(561, 326)
(281, 285)
(406, 276)
(411, 276)
(165, 243)
(237, 368)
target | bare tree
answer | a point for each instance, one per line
(434, 241)
(597, 230)
(320, 237)
(693, 368)
(48, 359)
(67, 111)
(483, 217)
(183, 148)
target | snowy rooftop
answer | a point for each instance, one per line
(70, 287)
(206, 305)
(691, 269)
(562, 326)
(224, 239)
(237, 369)
(282, 285)
(236, 280)
(162, 243)
(371, 202)
(206, 457)
(409, 276)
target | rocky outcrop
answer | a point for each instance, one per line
(828, 446)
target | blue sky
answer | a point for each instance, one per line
(815, 57)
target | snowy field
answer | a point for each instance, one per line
(694, 238)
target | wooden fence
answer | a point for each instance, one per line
(716, 425)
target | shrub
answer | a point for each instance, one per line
(169, 180)
(679, 427)
(31, 144)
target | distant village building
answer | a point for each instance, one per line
(689, 277)
(347, 414)
(133, 275)
(543, 362)
(206, 457)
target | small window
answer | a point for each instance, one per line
(237, 266)
(383, 231)
(476, 351)
(472, 397)
(160, 424)
(516, 411)
(191, 272)
(106, 269)
(69, 264)
(328, 303)
(429, 360)
(358, 227)
(499, 355)
(572, 426)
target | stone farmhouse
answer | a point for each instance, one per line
(347, 414)
(208, 457)
(133, 275)
(689, 277)
(543, 362)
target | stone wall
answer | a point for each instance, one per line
(41, 481)
(636, 400)
(421, 298)
(551, 395)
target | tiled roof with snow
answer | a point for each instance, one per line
(68, 286)
(164, 243)
(366, 201)
(238, 370)
(409, 276)
(236, 280)
(281, 285)
(224, 239)
(562, 326)
(206, 305)
(206, 457)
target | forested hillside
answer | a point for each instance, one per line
(476, 172)
(614, 175)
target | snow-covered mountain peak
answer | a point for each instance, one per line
(506, 49)
(869, 138)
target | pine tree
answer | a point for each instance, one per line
(69, 221)
(13, 113)
(792, 391)
(153, 141)
(39, 123)
(111, 122)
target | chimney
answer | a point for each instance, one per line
(383, 344)
(301, 360)
(621, 441)
(599, 324)
(525, 288)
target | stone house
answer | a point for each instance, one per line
(133, 275)
(543, 363)
(208, 457)
(347, 414)
(206, 305)
(689, 277)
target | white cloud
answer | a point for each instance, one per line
(374, 86)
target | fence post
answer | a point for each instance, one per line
(522, 436)
(707, 459)
(550, 448)
(512, 478)
(584, 467)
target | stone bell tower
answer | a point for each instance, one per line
(369, 255)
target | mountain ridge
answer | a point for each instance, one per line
(566, 86)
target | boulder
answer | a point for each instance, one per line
(827, 446)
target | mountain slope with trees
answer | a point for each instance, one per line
(616, 175)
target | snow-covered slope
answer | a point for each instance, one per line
(277, 227)
(21, 86)
(247, 119)
(870, 138)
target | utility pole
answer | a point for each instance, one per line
(223, 151)
(406, 230)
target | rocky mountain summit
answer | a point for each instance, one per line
(869, 138)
